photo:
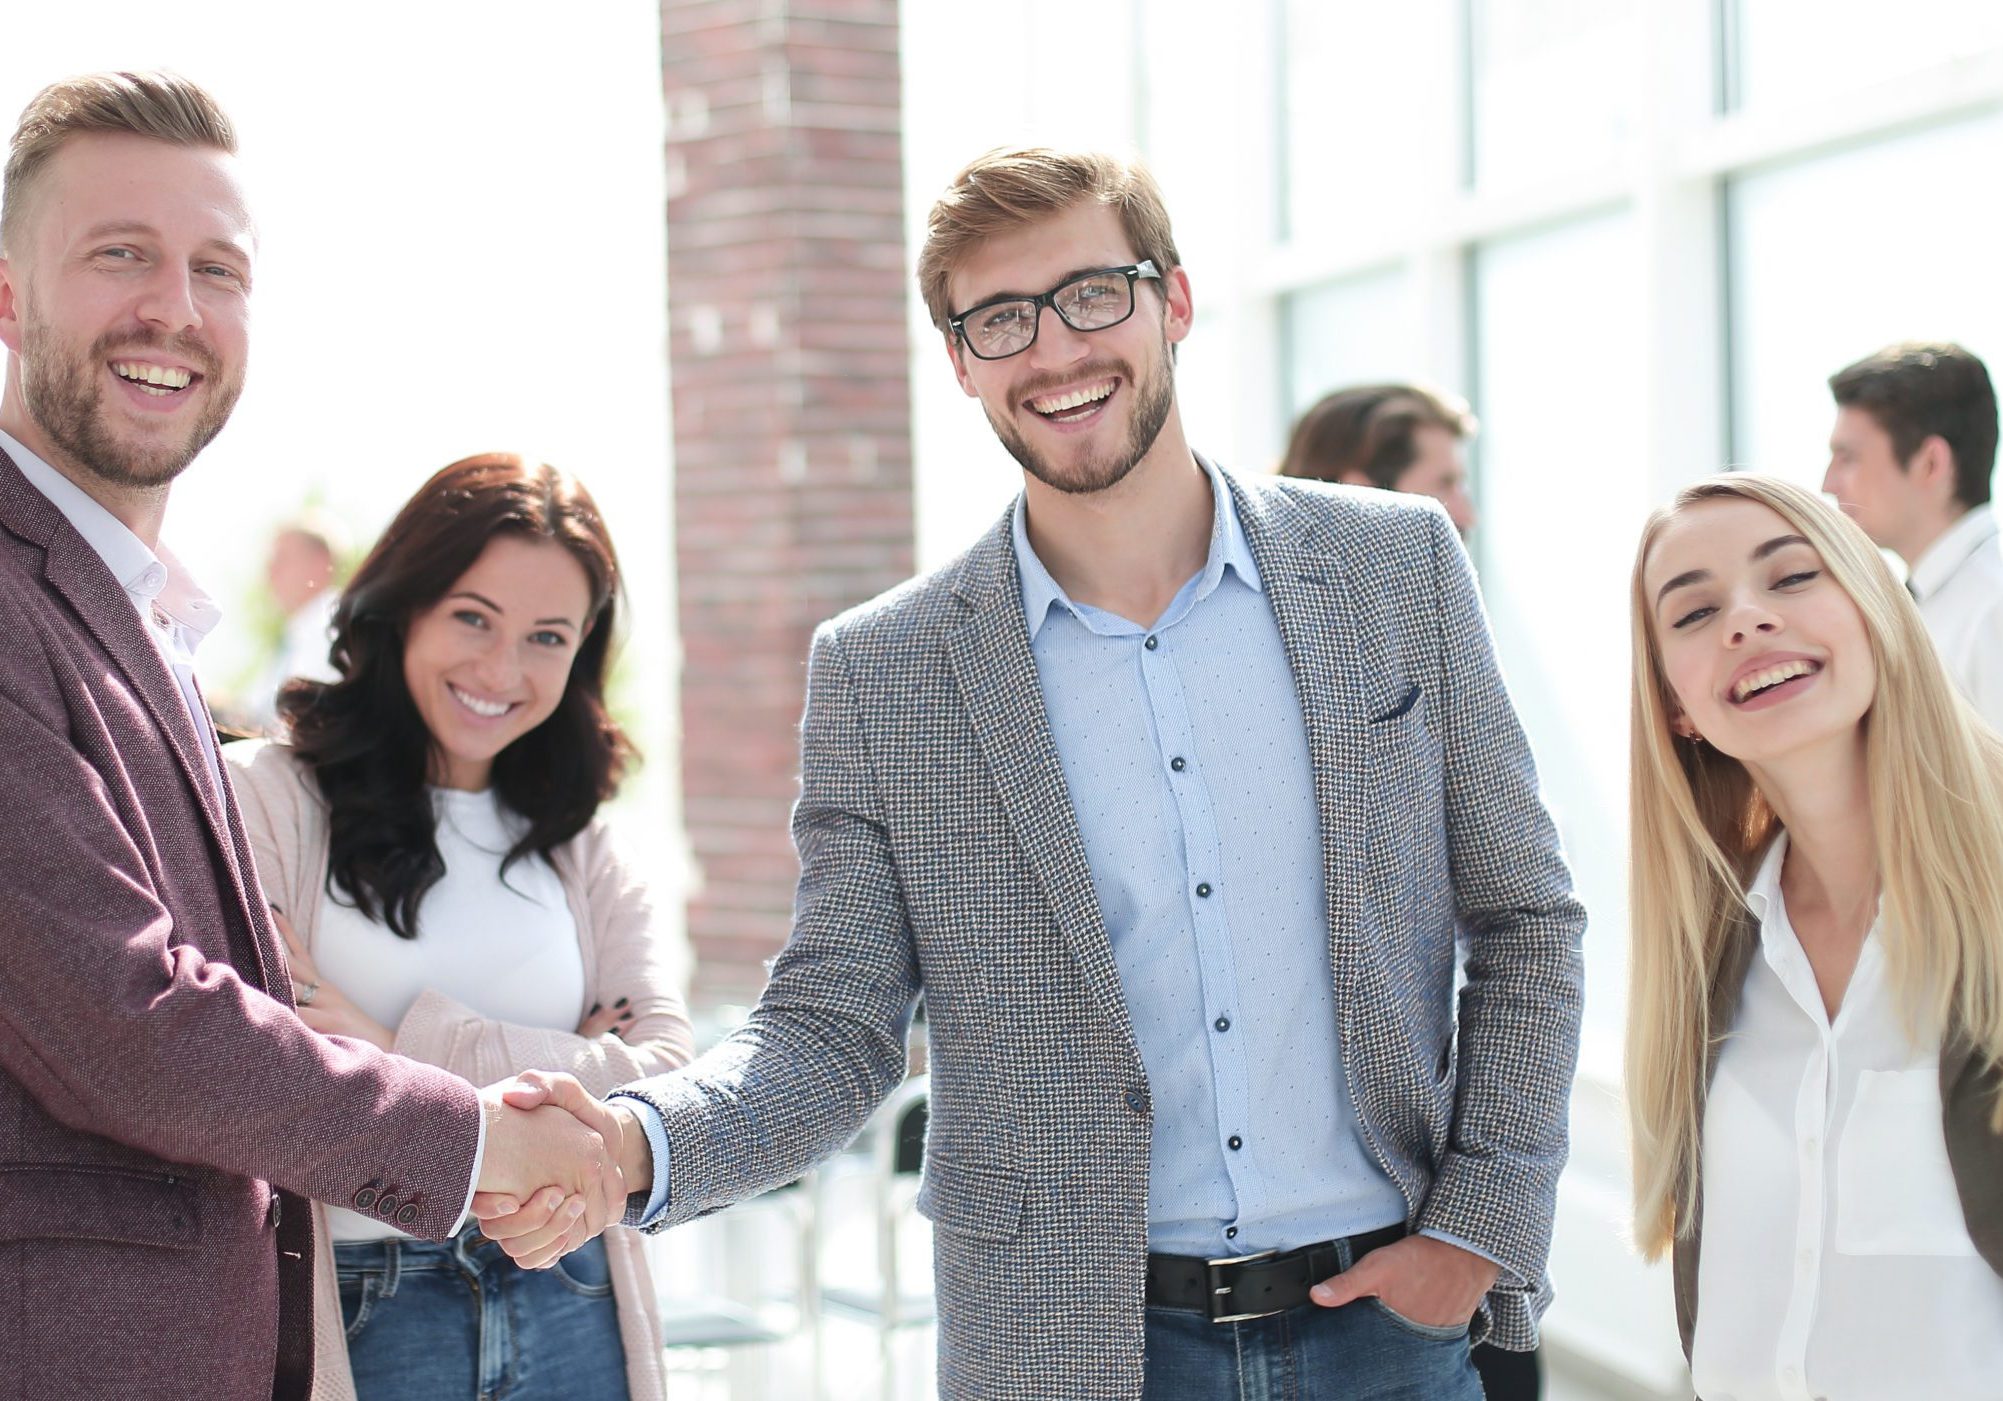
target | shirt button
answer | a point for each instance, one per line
(1222, 1023)
(1230, 1233)
(1178, 763)
(1137, 1102)
(1203, 890)
(1235, 1142)
(1152, 642)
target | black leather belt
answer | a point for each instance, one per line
(1253, 1286)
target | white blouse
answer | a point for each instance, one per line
(505, 948)
(1836, 1265)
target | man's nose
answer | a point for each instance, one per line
(1056, 343)
(168, 301)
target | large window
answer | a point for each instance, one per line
(1553, 87)
(1355, 66)
(1559, 323)
(1836, 256)
(1352, 331)
(1787, 52)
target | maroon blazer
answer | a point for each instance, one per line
(162, 1109)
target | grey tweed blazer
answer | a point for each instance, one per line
(939, 853)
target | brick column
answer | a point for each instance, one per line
(792, 418)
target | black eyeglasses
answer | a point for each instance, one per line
(1091, 301)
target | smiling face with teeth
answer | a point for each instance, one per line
(489, 662)
(1079, 410)
(125, 301)
(1765, 655)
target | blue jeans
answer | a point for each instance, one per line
(459, 1321)
(1360, 1352)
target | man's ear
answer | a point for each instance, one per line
(1352, 477)
(10, 306)
(958, 355)
(1931, 469)
(1179, 314)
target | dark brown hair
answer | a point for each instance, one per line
(1918, 390)
(1368, 431)
(159, 106)
(362, 736)
(1007, 189)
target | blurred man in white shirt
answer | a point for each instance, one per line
(299, 572)
(1910, 460)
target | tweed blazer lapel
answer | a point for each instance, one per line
(1003, 694)
(100, 602)
(1344, 677)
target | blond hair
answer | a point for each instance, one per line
(160, 106)
(1699, 825)
(1009, 188)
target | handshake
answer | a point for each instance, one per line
(558, 1166)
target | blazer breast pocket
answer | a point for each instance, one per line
(1402, 706)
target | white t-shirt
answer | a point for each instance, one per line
(507, 949)
(1837, 1264)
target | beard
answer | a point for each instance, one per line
(1153, 398)
(65, 399)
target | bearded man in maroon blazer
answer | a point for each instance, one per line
(162, 1109)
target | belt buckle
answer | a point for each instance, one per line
(1218, 1289)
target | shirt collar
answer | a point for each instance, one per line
(1764, 892)
(1946, 555)
(1779, 944)
(1229, 549)
(150, 577)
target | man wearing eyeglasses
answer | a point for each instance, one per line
(1167, 794)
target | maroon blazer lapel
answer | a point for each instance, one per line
(100, 602)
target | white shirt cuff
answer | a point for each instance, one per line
(1506, 1279)
(657, 1140)
(479, 1157)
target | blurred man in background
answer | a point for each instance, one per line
(1910, 460)
(300, 574)
(1398, 437)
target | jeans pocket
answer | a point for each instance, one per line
(1431, 1332)
(586, 1273)
(359, 1292)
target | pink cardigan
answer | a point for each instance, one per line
(623, 957)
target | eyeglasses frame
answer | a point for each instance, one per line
(1133, 272)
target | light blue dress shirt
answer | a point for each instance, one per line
(1186, 758)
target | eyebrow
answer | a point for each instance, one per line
(482, 598)
(1025, 296)
(1698, 576)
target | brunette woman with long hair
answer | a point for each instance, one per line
(1816, 1010)
(430, 835)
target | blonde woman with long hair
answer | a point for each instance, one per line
(1816, 1007)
